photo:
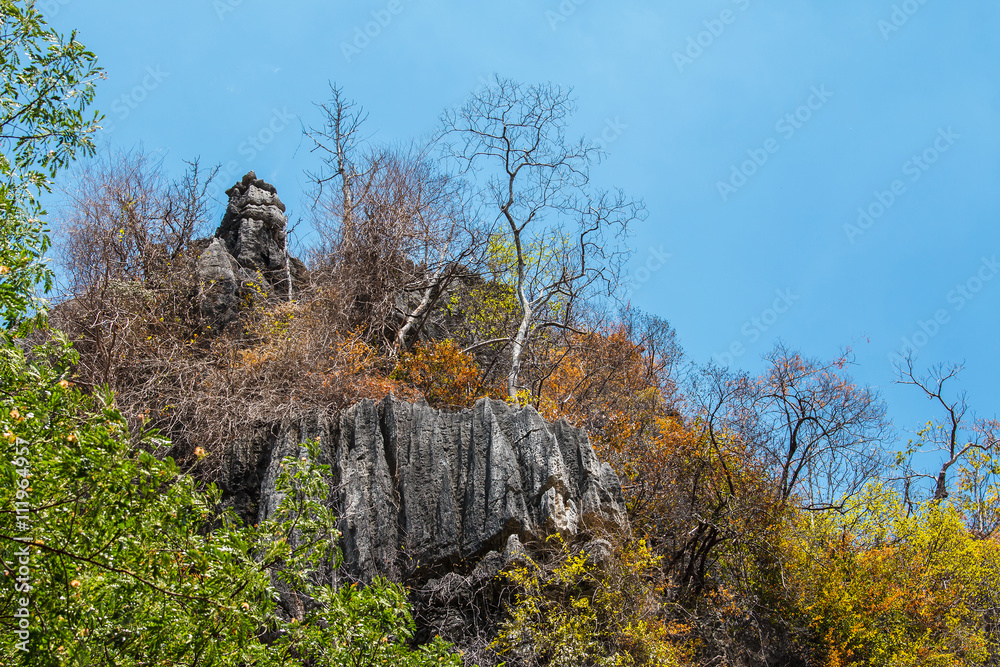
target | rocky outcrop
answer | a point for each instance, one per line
(248, 252)
(423, 492)
(218, 284)
(253, 227)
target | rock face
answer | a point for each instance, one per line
(249, 248)
(422, 492)
(218, 284)
(253, 227)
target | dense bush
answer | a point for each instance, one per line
(590, 605)
(122, 559)
(882, 586)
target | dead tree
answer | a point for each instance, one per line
(957, 436)
(821, 433)
(565, 238)
(395, 232)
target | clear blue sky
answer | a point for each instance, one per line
(754, 134)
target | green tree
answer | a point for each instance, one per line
(112, 556)
(48, 83)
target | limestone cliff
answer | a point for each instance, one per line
(440, 500)
(422, 491)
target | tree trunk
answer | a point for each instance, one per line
(431, 296)
(941, 492)
(520, 342)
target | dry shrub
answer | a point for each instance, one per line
(126, 246)
(292, 359)
(394, 229)
(445, 375)
(129, 250)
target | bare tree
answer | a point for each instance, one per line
(565, 238)
(186, 215)
(342, 148)
(822, 433)
(397, 232)
(957, 436)
(800, 434)
(108, 227)
(124, 221)
(816, 434)
(122, 231)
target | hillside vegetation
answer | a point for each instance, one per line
(771, 522)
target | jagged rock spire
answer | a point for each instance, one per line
(253, 227)
(250, 246)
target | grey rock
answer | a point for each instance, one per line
(253, 227)
(369, 504)
(424, 490)
(599, 552)
(514, 551)
(249, 247)
(217, 285)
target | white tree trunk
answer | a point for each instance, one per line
(520, 342)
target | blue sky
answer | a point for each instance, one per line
(756, 134)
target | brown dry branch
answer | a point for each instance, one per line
(396, 233)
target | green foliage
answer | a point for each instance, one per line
(544, 257)
(365, 626)
(119, 558)
(487, 311)
(124, 556)
(48, 82)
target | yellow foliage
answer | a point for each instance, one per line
(885, 588)
(575, 611)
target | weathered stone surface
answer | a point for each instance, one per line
(249, 247)
(217, 284)
(423, 490)
(253, 226)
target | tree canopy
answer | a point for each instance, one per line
(48, 83)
